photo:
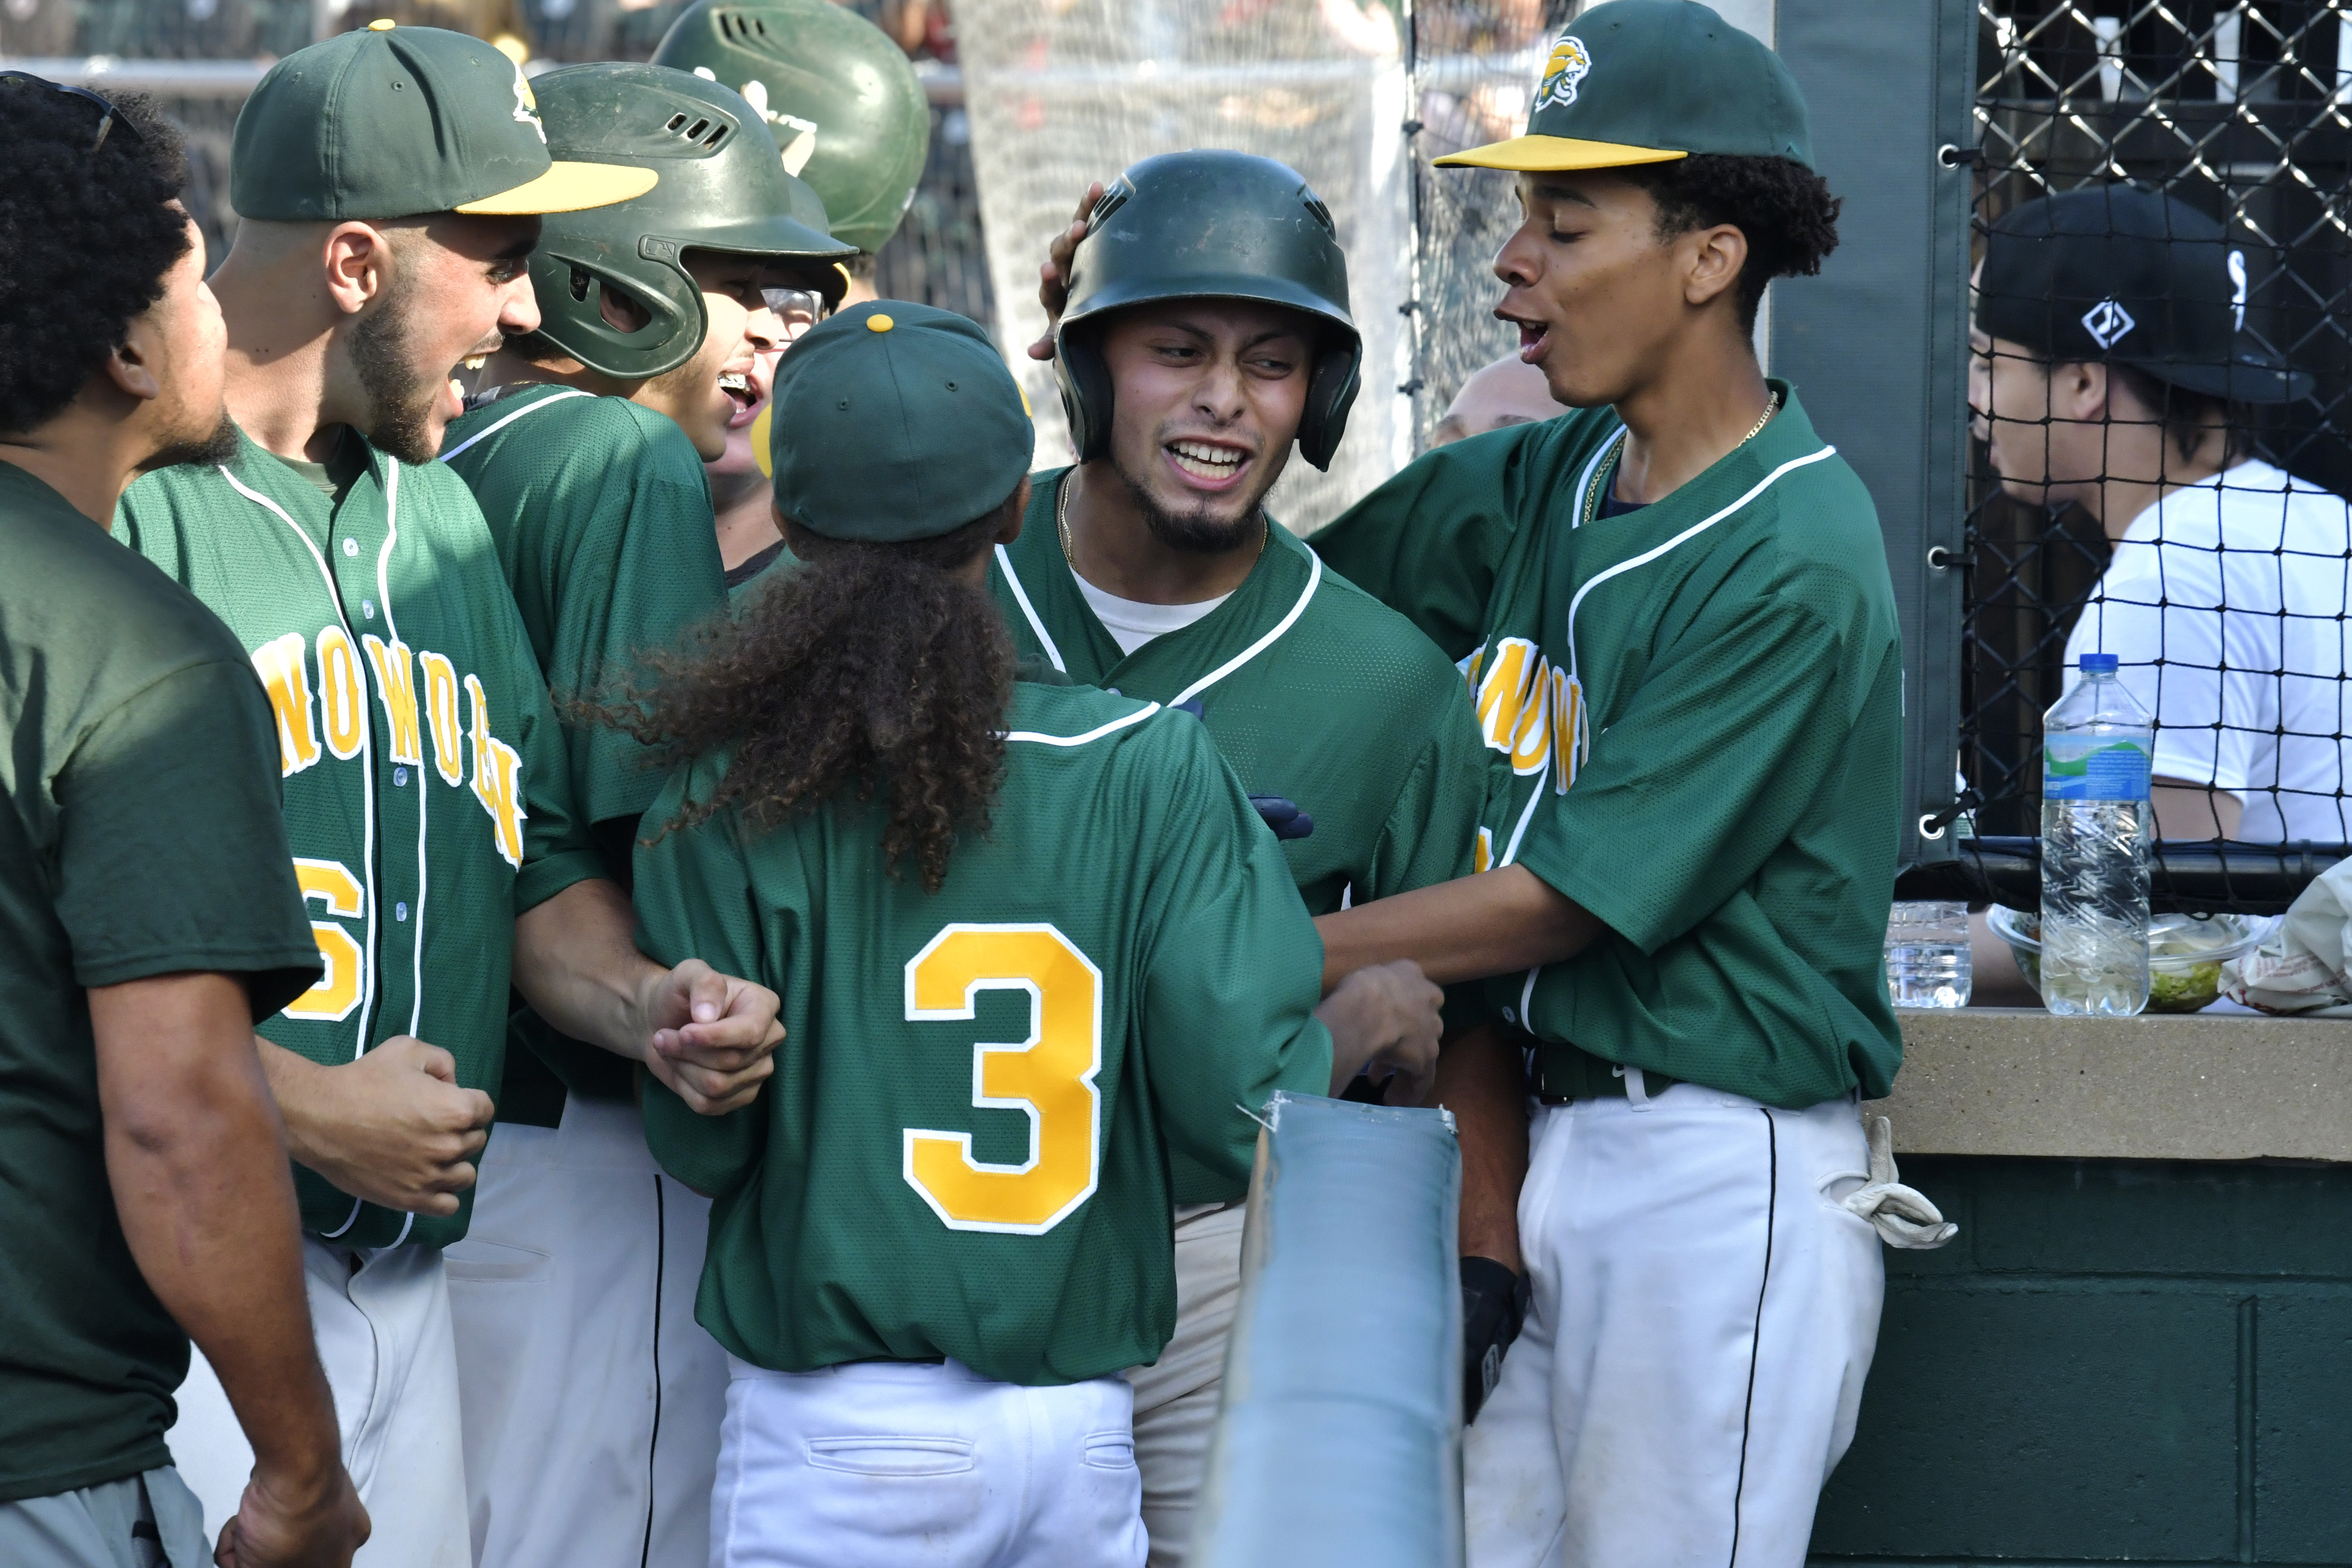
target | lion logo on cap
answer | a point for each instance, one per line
(527, 105)
(1571, 62)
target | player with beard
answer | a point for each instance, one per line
(1206, 333)
(592, 1402)
(389, 183)
(850, 117)
(147, 898)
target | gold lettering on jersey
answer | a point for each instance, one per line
(1514, 702)
(396, 686)
(284, 671)
(1482, 855)
(441, 716)
(1569, 740)
(340, 988)
(498, 779)
(1050, 1076)
(342, 693)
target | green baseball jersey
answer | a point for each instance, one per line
(602, 521)
(140, 836)
(426, 793)
(1696, 708)
(1312, 690)
(964, 1150)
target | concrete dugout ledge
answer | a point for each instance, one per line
(2016, 1081)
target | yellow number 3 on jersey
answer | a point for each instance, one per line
(1050, 1076)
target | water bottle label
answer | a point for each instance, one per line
(2118, 772)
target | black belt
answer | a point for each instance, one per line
(1561, 1073)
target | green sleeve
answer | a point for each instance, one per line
(1235, 969)
(557, 850)
(1432, 826)
(172, 851)
(694, 899)
(640, 576)
(1705, 775)
(1428, 542)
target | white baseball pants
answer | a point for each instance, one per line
(1176, 1397)
(382, 1320)
(1703, 1315)
(591, 1398)
(902, 1465)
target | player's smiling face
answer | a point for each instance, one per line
(1207, 399)
(459, 289)
(710, 393)
(1601, 302)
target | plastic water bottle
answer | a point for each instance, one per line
(2097, 743)
(1928, 961)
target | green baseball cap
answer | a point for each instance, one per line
(389, 122)
(1648, 81)
(896, 422)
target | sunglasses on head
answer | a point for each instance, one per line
(109, 116)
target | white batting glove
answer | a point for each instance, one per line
(1902, 1215)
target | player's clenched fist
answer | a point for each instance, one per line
(1385, 1017)
(285, 1523)
(713, 1036)
(393, 1127)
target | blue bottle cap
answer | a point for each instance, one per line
(2098, 663)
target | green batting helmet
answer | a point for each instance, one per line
(844, 104)
(722, 188)
(1210, 225)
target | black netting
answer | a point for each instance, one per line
(2230, 603)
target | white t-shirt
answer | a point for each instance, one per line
(1131, 623)
(2225, 603)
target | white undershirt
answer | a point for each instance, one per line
(1132, 622)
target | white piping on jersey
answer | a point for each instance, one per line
(1511, 851)
(1021, 597)
(1096, 733)
(496, 426)
(383, 596)
(1584, 483)
(1693, 532)
(1314, 577)
(367, 795)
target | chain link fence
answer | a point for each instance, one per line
(2242, 111)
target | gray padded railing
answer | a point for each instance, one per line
(1339, 1440)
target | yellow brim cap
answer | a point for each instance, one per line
(568, 188)
(1546, 154)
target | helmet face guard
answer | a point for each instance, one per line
(722, 188)
(1210, 225)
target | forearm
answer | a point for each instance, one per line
(576, 961)
(1480, 1080)
(298, 1088)
(197, 1158)
(1498, 922)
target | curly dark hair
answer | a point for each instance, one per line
(84, 239)
(869, 668)
(1784, 208)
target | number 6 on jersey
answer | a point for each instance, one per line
(1049, 1076)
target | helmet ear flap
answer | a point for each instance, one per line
(1085, 382)
(1330, 392)
(570, 289)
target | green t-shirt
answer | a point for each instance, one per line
(140, 837)
(905, 1188)
(426, 793)
(602, 517)
(1718, 676)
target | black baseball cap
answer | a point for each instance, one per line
(2126, 274)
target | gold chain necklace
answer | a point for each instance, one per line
(1062, 524)
(1602, 482)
